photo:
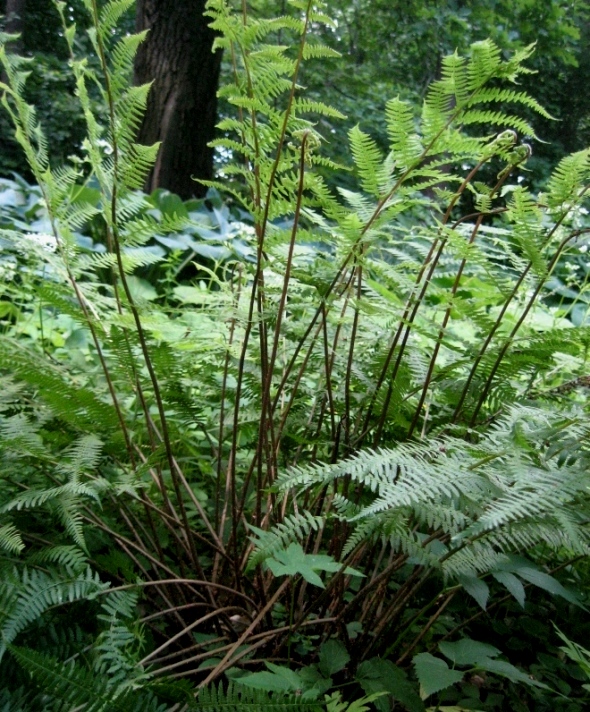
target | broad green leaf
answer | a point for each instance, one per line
(169, 203)
(434, 674)
(504, 669)
(375, 675)
(85, 194)
(266, 681)
(293, 561)
(476, 588)
(549, 584)
(10, 197)
(512, 583)
(290, 675)
(333, 657)
(313, 683)
(212, 252)
(527, 570)
(276, 679)
(192, 295)
(178, 242)
(141, 288)
(467, 651)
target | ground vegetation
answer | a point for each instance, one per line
(317, 440)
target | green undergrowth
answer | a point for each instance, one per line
(287, 446)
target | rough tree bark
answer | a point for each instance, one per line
(14, 23)
(182, 106)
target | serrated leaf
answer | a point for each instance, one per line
(549, 584)
(512, 584)
(476, 588)
(467, 651)
(276, 679)
(527, 570)
(504, 669)
(333, 657)
(434, 674)
(293, 561)
(10, 539)
(376, 675)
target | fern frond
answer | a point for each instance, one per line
(368, 160)
(489, 498)
(307, 106)
(132, 258)
(240, 697)
(404, 142)
(110, 13)
(74, 404)
(497, 95)
(137, 164)
(484, 63)
(71, 558)
(28, 594)
(498, 119)
(293, 528)
(20, 437)
(67, 508)
(32, 498)
(73, 686)
(315, 50)
(568, 180)
(131, 108)
(122, 56)
(10, 539)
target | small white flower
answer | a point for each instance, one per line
(105, 145)
(47, 242)
(246, 229)
(7, 271)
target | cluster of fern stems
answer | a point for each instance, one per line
(372, 387)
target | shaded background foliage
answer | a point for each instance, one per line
(387, 48)
(206, 315)
(50, 86)
(391, 48)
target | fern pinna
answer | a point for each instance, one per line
(367, 395)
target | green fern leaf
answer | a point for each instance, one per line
(29, 594)
(236, 698)
(10, 539)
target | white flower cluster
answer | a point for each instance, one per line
(245, 229)
(7, 270)
(105, 146)
(41, 239)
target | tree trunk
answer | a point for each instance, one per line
(182, 105)
(14, 23)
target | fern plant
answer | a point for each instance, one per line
(383, 387)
